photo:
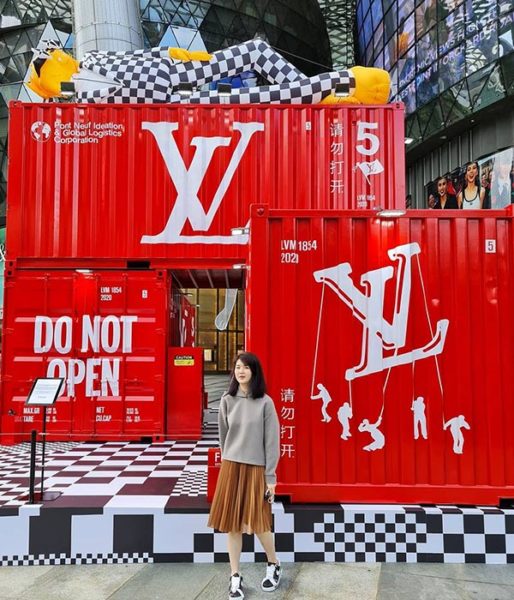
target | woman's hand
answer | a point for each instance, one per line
(271, 489)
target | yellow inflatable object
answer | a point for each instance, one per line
(372, 86)
(186, 55)
(58, 67)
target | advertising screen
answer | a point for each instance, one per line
(481, 184)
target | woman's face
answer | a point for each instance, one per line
(242, 372)
(441, 187)
(471, 172)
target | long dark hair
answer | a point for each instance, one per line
(257, 382)
(477, 178)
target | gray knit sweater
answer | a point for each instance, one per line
(249, 431)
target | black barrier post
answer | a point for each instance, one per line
(32, 475)
(43, 448)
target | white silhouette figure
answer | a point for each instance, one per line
(420, 420)
(456, 425)
(326, 399)
(344, 414)
(378, 437)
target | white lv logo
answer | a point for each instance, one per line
(379, 334)
(187, 182)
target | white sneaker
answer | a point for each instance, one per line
(235, 588)
(272, 578)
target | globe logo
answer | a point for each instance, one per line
(40, 131)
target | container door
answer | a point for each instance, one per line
(105, 334)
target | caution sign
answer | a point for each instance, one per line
(184, 360)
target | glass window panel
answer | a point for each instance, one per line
(405, 8)
(362, 45)
(504, 6)
(222, 352)
(208, 308)
(392, 50)
(480, 14)
(426, 50)
(34, 14)
(387, 4)
(379, 60)
(63, 25)
(368, 30)
(445, 7)
(506, 34)
(369, 55)
(492, 91)
(412, 127)
(452, 67)
(405, 35)
(406, 69)
(154, 12)
(153, 32)
(360, 14)
(376, 12)
(407, 95)
(476, 82)
(378, 38)
(394, 82)
(9, 92)
(240, 342)
(390, 23)
(435, 122)
(365, 7)
(387, 59)
(184, 36)
(10, 15)
(241, 310)
(24, 44)
(426, 16)
(34, 34)
(427, 85)
(424, 116)
(481, 49)
(451, 30)
(4, 50)
(458, 111)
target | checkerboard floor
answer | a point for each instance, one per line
(111, 474)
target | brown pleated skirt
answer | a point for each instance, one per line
(239, 504)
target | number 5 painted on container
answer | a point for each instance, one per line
(490, 246)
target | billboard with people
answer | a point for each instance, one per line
(484, 183)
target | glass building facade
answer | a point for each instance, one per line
(448, 59)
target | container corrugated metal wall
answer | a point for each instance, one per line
(403, 329)
(104, 333)
(128, 182)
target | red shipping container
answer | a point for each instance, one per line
(185, 403)
(105, 333)
(387, 345)
(171, 181)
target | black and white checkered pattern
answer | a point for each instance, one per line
(111, 470)
(191, 483)
(309, 90)
(151, 76)
(110, 558)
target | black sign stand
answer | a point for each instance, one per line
(44, 392)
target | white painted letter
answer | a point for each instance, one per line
(115, 344)
(39, 348)
(90, 333)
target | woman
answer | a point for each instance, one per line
(472, 195)
(249, 440)
(444, 199)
